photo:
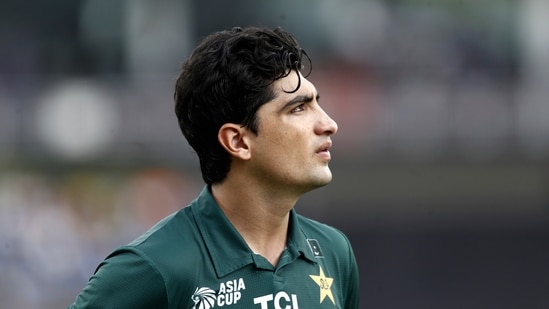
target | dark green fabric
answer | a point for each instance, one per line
(195, 258)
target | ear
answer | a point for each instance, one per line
(234, 139)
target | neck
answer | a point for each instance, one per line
(261, 217)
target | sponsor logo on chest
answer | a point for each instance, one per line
(230, 293)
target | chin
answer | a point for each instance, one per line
(323, 180)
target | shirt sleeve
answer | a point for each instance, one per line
(352, 299)
(353, 291)
(125, 279)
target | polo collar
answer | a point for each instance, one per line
(226, 247)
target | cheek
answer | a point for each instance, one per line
(295, 148)
(284, 140)
(278, 139)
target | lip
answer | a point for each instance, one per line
(324, 150)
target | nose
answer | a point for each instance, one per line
(326, 125)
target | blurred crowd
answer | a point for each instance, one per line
(54, 230)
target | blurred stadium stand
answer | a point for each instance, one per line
(440, 163)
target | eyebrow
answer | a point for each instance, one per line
(300, 99)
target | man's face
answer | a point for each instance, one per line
(291, 149)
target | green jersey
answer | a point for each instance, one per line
(196, 259)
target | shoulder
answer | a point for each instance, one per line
(324, 234)
(124, 279)
(161, 261)
(170, 241)
(309, 225)
(176, 225)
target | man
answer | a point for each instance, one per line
(263, 141)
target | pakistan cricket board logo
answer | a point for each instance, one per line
(325, 285)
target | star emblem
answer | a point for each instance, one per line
(325, 284)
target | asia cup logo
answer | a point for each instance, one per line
(203, 298)
(229, 293)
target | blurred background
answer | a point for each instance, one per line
(440, 163)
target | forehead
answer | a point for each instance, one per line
(284, 87)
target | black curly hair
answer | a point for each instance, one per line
(225, 80)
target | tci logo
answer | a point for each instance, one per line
(280, 300)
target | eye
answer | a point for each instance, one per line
(299, 108)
